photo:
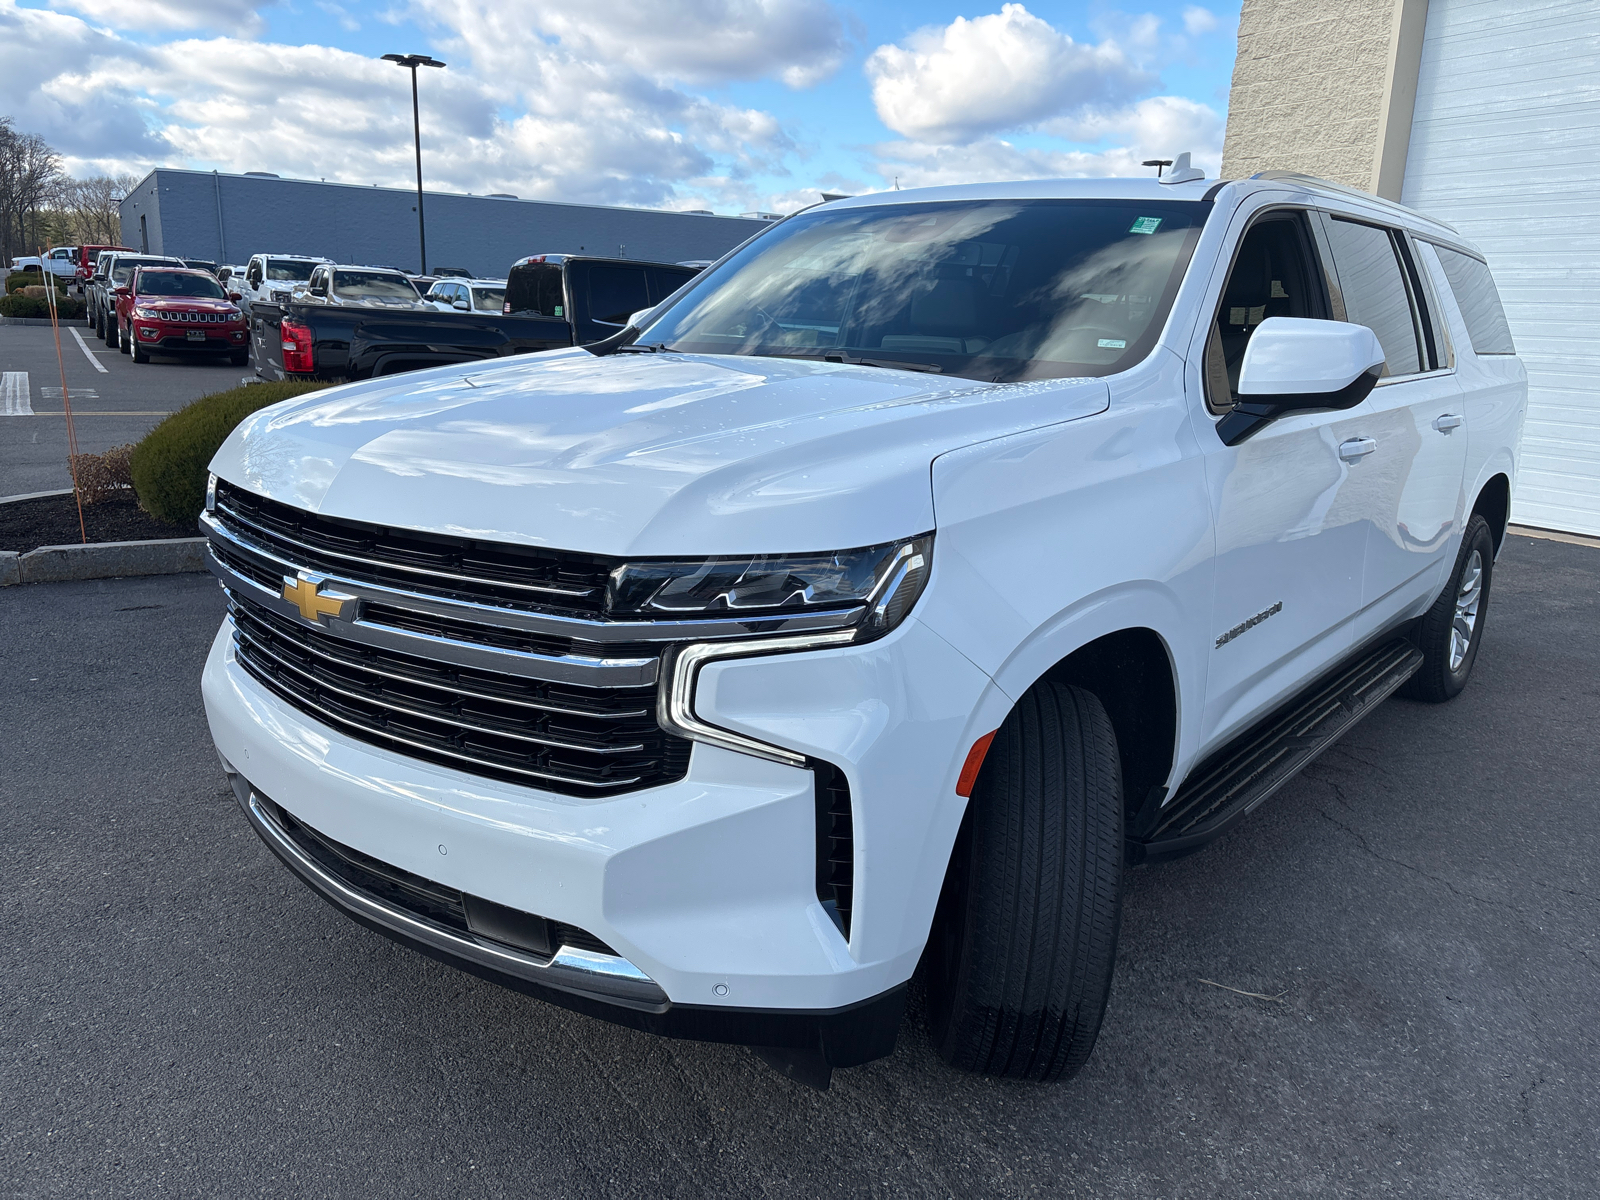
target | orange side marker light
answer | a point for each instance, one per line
(974, 763)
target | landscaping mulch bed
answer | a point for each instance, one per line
(53, 521)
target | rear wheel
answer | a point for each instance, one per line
(1020, 958)
(112, 331)
(1450, 631)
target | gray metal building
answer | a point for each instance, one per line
(227, 218)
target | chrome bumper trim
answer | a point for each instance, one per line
(582, 971)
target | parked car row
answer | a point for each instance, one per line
(280, 308)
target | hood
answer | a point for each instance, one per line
(638, 454)
(378, 302)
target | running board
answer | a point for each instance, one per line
(1244, 773)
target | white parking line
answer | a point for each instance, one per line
(17, 395)
(88, 353)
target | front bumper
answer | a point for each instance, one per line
(163, 338)
(706, 885)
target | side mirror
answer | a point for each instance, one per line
(235, 297)
(462, 305)
(124, 290)
(1293, 364)
(641, 318)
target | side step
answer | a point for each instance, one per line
(1240, 776)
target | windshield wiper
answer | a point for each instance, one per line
(655, 348)
(892, 364)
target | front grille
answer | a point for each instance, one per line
(460, 912)
(456, 568)
(198, 318)
(582, 741)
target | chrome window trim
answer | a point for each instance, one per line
(578, 628)
(569, 969)
(675, 707)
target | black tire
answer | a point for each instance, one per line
(124, 340)
(1019, 962)
(1445, 663)
(136, 351)
(112, 331)
(239, 360)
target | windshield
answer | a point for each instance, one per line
(995, 290)
(373, 285)
(123, 271)
(178, 283)
(488, 299)
(286, 270)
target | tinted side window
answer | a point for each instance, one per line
(534, 289)
(1375, 292)
(666, 280)
(616, 293)
(1479, 300)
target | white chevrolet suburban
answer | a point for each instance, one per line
(910, 574)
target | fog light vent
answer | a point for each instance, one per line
(836, 853)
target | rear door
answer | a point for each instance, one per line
(1413, 447)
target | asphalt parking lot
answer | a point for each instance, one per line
(1420, 908)
(111, 407)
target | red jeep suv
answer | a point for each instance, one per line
(174, 310)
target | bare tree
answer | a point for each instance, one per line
(86, 210)
(29, 170)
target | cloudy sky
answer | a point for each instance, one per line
(730, 105)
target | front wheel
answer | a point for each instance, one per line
(1451, 631)
(1020, 958)
(239, 360)
(136, 351)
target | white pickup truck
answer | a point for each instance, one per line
(913, 572)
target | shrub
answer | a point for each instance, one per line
(18, 280)
(102, 476)
(68, 308)
(169, 463)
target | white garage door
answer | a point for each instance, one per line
(1505, 146)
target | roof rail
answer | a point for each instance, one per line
(1347, 190)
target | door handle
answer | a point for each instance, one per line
(1446, 423)
(1357, 448)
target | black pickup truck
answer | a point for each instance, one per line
(552, 300)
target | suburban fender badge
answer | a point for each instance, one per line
(1242, 626)
(305, 593)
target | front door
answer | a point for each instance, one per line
(1290, 524)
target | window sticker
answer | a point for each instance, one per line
(558, 310)
(1145, 225)
(1113, 344)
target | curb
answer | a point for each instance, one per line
(35, 495)
(45, 321)
(103, 560)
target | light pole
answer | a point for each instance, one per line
(414, 61)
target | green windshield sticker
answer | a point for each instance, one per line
(1113, 344)
(558, 310)
(1145, 225)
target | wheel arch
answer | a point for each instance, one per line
(1493, 504)
(1131, 672)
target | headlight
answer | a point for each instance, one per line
(149, 314)
(883, 580)
(211, 492)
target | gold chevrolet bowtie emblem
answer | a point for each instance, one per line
(305, 594)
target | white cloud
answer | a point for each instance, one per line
(1006, 70)
(230, 16)
(799, 42)
(1159, 127)
(1197, 20)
